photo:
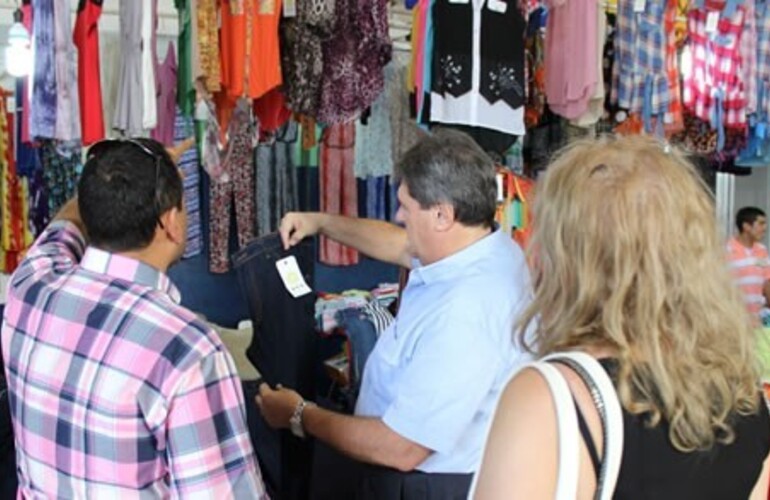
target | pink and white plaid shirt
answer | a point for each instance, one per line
(116, 390)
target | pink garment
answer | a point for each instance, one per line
(571, 56)
(339, 190)
(166, 81)
(26, 10)
(419, 51)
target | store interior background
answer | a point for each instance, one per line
(215, 296)
(218, 296)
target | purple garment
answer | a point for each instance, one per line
(42, 119)
(166, 78)
(67, 96)
(354, 59)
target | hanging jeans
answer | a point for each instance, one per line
(283, 350)
(237, 189)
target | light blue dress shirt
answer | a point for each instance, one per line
(436, 373)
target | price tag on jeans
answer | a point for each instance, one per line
(292, 277)
(639, 5)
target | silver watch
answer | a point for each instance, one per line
(295, 421)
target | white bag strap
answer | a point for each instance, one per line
(606, 400)
(566, 417)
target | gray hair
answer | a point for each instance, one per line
(449, 167)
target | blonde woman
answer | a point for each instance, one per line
(630, 269)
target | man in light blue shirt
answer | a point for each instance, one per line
(432, 381)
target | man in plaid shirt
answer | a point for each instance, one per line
(117, 391)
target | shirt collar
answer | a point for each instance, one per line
(458, 263)
(128, 269)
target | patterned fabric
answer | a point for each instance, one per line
(354, 59)
(302, 64)
(14, 235)
(188, 164)
(61, 168)
(208, 43)
(673, 119)
(751, 269)
(339, 192)
(763, 54)
(374, 140)
(712, 90)
(236, 187)
(639, 80)
(276, 184)
(42, 117)
(749, 57)
(67, 97)
(92, 421)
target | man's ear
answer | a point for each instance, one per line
(172, 225)
(444, 216)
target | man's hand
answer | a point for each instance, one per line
(295, 226)
(277, 406)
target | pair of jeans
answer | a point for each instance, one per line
(284, 352)
(382, 483)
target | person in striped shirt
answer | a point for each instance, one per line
(748, 258)
(115, 389)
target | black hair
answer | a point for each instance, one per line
(125, 187)
(747, 215)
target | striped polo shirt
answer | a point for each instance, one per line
(750, 268)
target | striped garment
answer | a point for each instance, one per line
(750, 268)
(188, 164)
(117, 391)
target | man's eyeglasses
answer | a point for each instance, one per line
(94, 150)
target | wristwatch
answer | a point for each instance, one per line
(295, 421)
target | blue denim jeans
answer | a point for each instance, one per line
(284, 352)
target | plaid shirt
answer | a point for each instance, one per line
(716, 67)
(117, 391)
(640, 52)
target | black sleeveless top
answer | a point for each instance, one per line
(653, 469)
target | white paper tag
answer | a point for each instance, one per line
(499, 182)
(289, 8)
(10, 104)
(639, 5)
(459, 1)
(497, 6)
(266, 7)
(712, 21)
(292, 277)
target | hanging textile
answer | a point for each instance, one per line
(208, 45)
(42, 118)
(185, 91)
(62, 166)
(188, 165)
(129, 115)
(149, 64)
(478, 73)
(234, 188)
(276, 183)
(15, 237)
(354, 58)
(86, 38)
(67, 126)
(167, 107)
(339, 192)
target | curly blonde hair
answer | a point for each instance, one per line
(627, 256)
